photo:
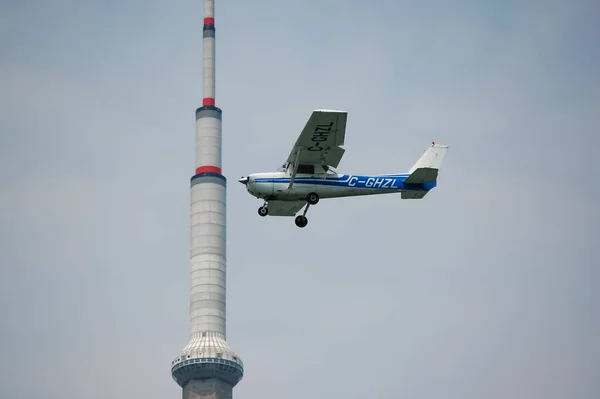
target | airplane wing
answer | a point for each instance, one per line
(284, 208)
(321, 139)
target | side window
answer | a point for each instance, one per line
(309, 169)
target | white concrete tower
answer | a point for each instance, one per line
(207, 367)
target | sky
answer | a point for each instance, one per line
(486, 288)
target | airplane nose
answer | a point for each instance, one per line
(243, 180)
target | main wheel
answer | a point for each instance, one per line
(301, 221)
(263, 211)
(312, 198)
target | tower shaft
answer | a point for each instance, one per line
(207, 366)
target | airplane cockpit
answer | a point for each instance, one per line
(307, 169)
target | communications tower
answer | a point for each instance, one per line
(207, 367)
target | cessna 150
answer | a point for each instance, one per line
(307, 175)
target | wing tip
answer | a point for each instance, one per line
(337, 111)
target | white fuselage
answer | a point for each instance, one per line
(275, 185)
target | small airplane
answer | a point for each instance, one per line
(308, 174)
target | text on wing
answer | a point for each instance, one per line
(320, 134)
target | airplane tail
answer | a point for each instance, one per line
(425, 171)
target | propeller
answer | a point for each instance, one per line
(243, 180)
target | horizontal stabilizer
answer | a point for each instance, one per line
(414, 194)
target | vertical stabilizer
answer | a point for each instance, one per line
(432, 157)
(426, 168)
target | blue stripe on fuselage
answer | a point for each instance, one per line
(392, 182)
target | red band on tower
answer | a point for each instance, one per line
(210, 169)
(209, 21)
(208, 101)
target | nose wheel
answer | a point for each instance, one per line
(263, 211)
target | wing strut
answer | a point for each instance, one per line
(295, 169)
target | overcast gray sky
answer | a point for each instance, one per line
(487, 288)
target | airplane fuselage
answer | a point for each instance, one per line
(275, 185)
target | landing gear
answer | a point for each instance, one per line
(312, 198)
(301, 221)
(263, 211)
